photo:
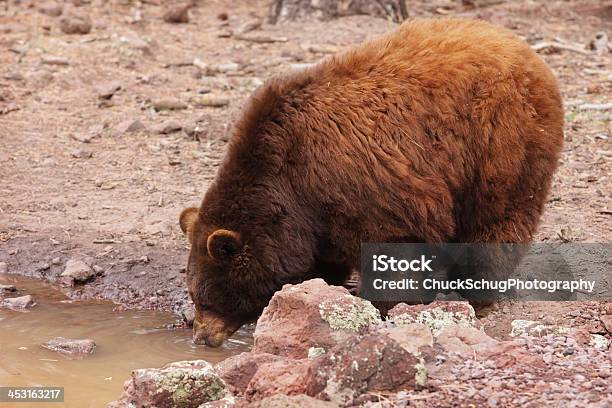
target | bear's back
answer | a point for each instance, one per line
(403, 128)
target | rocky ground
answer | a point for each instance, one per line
(114, 116)
(316, 343)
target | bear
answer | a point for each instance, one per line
(443, 130)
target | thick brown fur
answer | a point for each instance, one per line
(440, 131)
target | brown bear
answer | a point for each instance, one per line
(440, 131)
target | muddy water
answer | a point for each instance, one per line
(125, 340)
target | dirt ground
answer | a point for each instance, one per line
(104, 180)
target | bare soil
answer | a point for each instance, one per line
(114, 199)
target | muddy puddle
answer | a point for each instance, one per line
(125, 340)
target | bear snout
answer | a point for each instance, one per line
(212, 329)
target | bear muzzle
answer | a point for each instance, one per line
(212, 329)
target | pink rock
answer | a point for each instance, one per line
(507, 354)
(411, 336)
(237, 371)
(462, 339)
(284, 376)
(311, 314)
(361, 365)
(182, 384)
(607, 322)
(294, 401)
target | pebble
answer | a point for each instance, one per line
(168, 104)
(128, 126)
(177, 13)
(226, 67)
(75, 24)
(51, 8)
(56, 261)
(167, 127)
(136, 43)
(106, 90)
(196, 131)
(3, 267)
(81, 154)
(225, 33)
(209, 100)
(53, 60)
(92, 133)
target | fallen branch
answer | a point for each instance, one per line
(595, 106)
(260, 38)
(554, 46)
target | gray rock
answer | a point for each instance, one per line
(53, 60)
(128, 126)
(51, 8)
(169, 126)
(7, 290)
(20, 303)
(75, 24)
(71, 347)
(195, 130)
(78, 271)
(81, 154)
(106, 90)
(188, 315)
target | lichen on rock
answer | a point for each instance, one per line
(183, 384)
(348, 313)
(315, 352)
(532, 328)
(420, 377)
(439, 318)
(599, 341)
(182, 381)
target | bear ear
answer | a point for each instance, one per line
(223, 244)
(187, 220)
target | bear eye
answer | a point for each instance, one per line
(226, 250)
